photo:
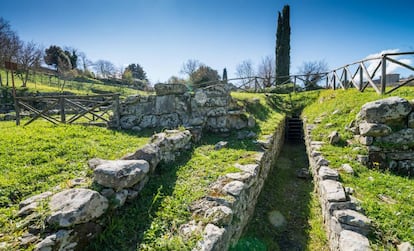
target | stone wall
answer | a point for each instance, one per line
(386, 128)
(224, 213)
(73, 216)
(345, 223)
(210, 108)
(67, 219)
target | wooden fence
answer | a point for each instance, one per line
(355, 75)
(68, 109)
(360, 78)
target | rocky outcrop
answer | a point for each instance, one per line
(211, 108)
(385, 128)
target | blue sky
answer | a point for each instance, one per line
(162, 34)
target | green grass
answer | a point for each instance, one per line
(41, 83)
(38, 157)
(295, 199)
(393, 221)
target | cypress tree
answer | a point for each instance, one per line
(225, 76)
(283, 46)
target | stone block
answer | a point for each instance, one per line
(168, 89)
(326, 173)
(332, 191)
(385, 110)
(119, 174)
(374, 129)
(352, 241)
(75, 206)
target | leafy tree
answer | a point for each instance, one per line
(137, 71)
(204, 74)
(283, 46)
(313, 72)
(56, 57)
(73, 57)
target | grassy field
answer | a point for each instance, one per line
(42, 83)
(393, 221)
(41, 156)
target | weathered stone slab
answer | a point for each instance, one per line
(149, 152)
(168, 89)
(385, 110)
(234, 188)
(402, 137)
(326, 173)
(119, 174)
(75, 206)
(374, 129)
(352, 241)
(212, 236)
(352, 218)
(332, 190)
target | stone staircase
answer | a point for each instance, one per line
(294, 131)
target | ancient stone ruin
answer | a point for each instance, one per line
(386, 128)
(210, 108)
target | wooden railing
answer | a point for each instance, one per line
(360, 78)
(68, 109)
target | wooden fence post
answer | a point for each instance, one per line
(62, 110)
(383, 73)
(345, 78)
(334, 80)
(117, 112)
(294, 85)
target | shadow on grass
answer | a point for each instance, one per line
(283, 194)
(125, 227)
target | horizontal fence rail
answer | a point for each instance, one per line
(71, 108)
(361, 78)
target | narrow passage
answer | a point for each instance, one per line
(287, 214)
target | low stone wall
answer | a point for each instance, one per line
(386, 128)
(210, 108)
(345, 223)
(73, 215)
(222, 215)
(68, 219)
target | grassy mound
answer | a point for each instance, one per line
(394, 216)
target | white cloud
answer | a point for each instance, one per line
(391, 67)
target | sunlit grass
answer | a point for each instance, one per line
(38, 157)
(393, 221)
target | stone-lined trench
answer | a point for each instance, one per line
(281, 220)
